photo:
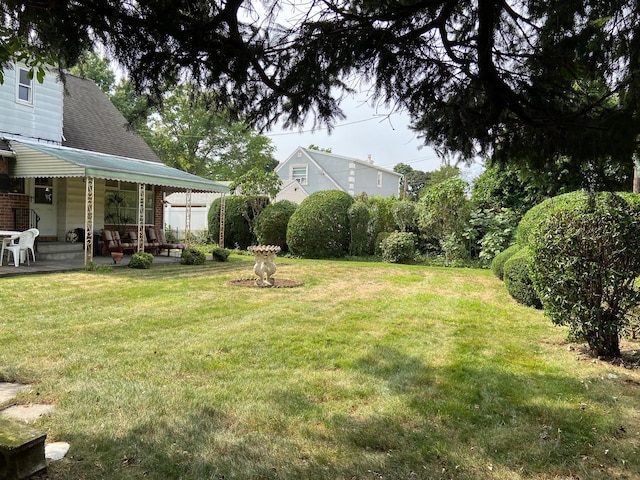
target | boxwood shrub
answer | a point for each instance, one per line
(271, 224)
(192, 256)
(319, 228)
(517, 279)
(497, 264)
(399, 247)
(141, 260)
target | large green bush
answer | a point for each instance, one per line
(359, 218)
(142, 260)
(497, 264)
(319, 228)
(192, 256)
(585, 261)
(517, 279)
(238, 216)
(381, 218)
(531, 220)
(271, 224)
(399, 247)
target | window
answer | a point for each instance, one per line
(121, 203)
(24, 87)
(299, 173)
(43, 191)
(379, 179)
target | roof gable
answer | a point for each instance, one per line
(92, 122)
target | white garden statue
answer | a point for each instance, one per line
(265, 265)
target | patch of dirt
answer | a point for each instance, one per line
(277, 283)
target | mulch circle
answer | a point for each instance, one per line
(277, 283)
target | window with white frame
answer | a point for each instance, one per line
(299, 173)
(379, 179)
(24, 87)
(121, 203)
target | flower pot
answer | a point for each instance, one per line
(117, 256)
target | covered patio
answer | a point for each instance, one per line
(83, 179)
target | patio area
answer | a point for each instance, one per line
(52, 266)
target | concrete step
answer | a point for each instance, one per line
(21, 451)
(59, 251)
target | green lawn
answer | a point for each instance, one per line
(367, 371)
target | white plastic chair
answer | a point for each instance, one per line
(30, 245)
(16, 245)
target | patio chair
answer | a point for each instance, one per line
(164, 244)
(16, 245)
(128, 241)
(151, 244)
(32, 242)
(111, 243)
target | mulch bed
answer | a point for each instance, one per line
(277, 283)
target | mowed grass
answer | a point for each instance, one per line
(367, 371)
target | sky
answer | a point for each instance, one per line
(367, 130)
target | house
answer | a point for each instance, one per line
(307, 171)
(65, 150)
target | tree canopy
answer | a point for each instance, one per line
(520, 80)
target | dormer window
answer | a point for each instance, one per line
(24, 87)
(299, 173)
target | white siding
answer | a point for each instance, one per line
(43, 119)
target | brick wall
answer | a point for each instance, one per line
(158, 207)
(9, 201)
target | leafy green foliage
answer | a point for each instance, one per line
(413, 181)
(491, 231)
(220, 254)
(319, 228)
(192, 256)
(237, 231)
(517, 279)
(404, 214)
(359, 219)
(537, 215)
(271, 224)
(399, 247)
(585, 261)
(381, 217)
(141, 260)
(497, 264)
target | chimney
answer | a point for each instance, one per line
(369, 159)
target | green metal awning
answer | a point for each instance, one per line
(34, 160)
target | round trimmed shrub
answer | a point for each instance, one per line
(220, 254)
(535, 216)
(585, 262)
(380, 238)
(271, 224)
(192, 256)
(497, 264)
(141, 260)
(517, 279)
(399, 247)
(319, 228)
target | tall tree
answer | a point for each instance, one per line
(191, 133)
(522, 80)
(413, 181)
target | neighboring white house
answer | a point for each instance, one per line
(314, 170)
(175, 210)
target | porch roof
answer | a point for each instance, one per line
(39, 160)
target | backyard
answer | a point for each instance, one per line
(367, 371)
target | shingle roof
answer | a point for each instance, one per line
(92, 122)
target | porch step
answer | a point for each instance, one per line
(59, 251)
(21, 451)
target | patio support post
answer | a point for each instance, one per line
(88, 221)
(141, 207)
(187, 218)
(223, 212)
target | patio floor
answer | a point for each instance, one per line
(52, 266)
